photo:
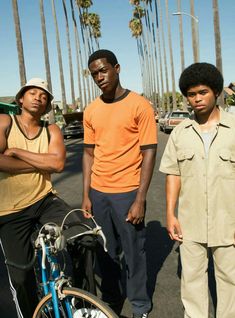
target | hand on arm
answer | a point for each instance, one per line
(88, 159)
(136, 213)
(7, 163)
(173, 185)
(50, 162)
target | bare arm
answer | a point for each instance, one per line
(53, 161)
(7, 163)
(173, 184)
(137, 211)
(88, 159)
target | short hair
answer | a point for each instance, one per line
(201, 74)
(108, 55)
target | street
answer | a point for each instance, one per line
(162, 253)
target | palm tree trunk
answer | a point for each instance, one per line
(69, 54)
(157, 99)
(181, 35)
(181, 46)
(64, 104)
(194, 33)
(78, 56)
(87, 86)
(164, 57)
(171, 56)
(218, 44)
(160, 56)
(46, 57)
(19, 43)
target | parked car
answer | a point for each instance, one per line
(172, 119)
(161, 120)
(75, 128)
(231, 109)
(156, 115)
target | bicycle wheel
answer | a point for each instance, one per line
(76, 303)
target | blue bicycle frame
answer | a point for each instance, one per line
(49, 283)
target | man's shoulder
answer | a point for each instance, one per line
(183, 124)
(96, 102)
(139, 102)
(227, 118)
(138, 97)
(5, 121)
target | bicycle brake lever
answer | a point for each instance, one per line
(100, 232)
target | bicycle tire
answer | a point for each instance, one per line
(82, 304)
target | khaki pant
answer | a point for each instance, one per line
(194, 279)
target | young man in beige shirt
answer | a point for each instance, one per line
(199, 161)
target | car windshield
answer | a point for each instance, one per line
(180, 115)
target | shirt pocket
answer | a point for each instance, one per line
(186, 161)
(227, 162)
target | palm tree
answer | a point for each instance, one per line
(181, 46)
(137, 30)
(159, 55)
(94, 24)
(152, 56)
(194, 33)
(154, 20)
(69, 53)
(135, 26)
(79, 60)
(181, 36)
(171, 56)
(46, 56)
(218, 43)
(83, 6)
(19, 43)
(217, 35)
(64, 104)
(164, 55)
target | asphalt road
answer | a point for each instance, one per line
(162, 253)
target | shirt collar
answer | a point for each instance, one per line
(225, 119)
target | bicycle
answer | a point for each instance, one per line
(60, 299)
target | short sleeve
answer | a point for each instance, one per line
(89, 135)
(147, 126)
(169, 162)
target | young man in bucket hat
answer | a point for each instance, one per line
(29, 153)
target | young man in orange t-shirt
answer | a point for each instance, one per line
(120, 142)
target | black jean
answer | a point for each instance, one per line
(15, 234)
(110, 211)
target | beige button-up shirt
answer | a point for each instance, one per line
(206, 209)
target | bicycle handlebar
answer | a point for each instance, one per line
(53, 234)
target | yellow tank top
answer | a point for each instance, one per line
(18, 191)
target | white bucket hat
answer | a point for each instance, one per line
(35, 82)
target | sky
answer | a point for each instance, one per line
(116, 36)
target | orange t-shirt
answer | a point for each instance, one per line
(118, 131)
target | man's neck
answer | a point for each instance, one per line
(208, 122)
(109, 98)
(29, 119)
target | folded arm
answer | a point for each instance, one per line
(15, 160)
